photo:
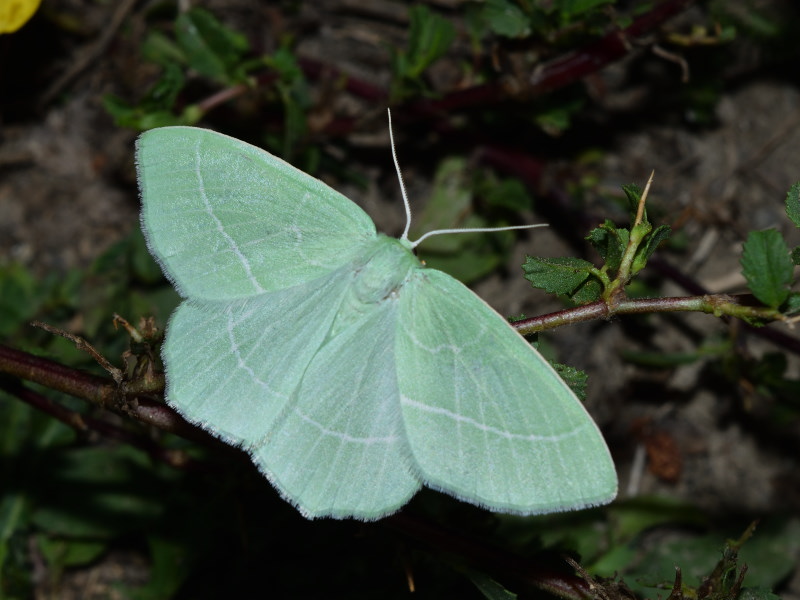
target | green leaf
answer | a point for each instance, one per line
(20, 298)
(574, 378)
(562, 275)
(16, 574)
(210, 48)
(767, 267)
(792, 304)
(293, 91)
(126, 492)
(429, 38)
(168, 570)
(610, 243)
(26, 437)
(162, 50)
(449, 205)
(796, 255)
(490, 589)
(467, 256)
(584, 533)
(505, 18)
(556, 117)
(165, 91)
(648, 246)
(696, 558)
(64, 552)
(793, 204)
(155, 108)
(506, 193)
(633, 193)
(769, 374)
(589, 291)
(634, 516)
(770, 554)
(574, 8)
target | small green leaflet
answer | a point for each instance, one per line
(793, 212)
(350, 372)
(211, 48)
(430, 36)
(566, 275)
(767, 266)
(793, 204)
(503, 18)
(610, 242)
(560, 275)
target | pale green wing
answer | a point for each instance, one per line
(233, 367)
(487, 419)
(315, 403)
(340, 450)
(347, 372)
(227, 220)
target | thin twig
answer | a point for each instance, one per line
(716, 304)
(80, 63)
(82, 344)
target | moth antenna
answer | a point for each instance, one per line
(407, 204)
(400, 179)
(474, 230)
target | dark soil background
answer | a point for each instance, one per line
(68, 193)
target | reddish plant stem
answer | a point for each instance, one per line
(555, 205)
(314, 69)
(85, 423)
(101, 391)
(43, 404)
(558, 73)
(222, 97)
(779, 338)
(718, 304)
(55, 376)
(137, 403)
(562, 71)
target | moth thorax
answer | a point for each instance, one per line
(384, 272)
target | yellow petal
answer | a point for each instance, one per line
(15, 13)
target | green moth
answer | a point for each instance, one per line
(349, 371)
